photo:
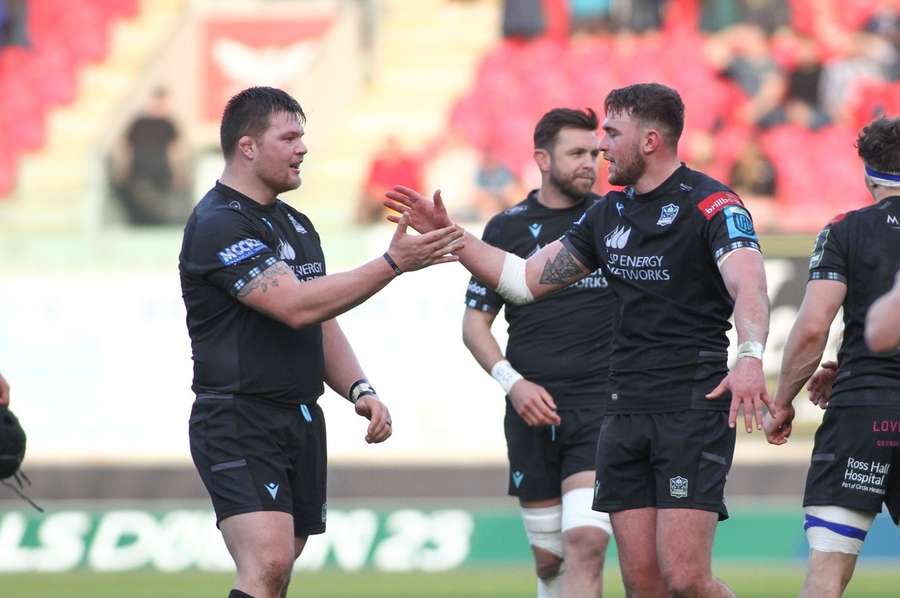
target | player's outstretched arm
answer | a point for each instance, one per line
(280, 295)
(531, 401)
(344, 376)
(883, 321)
(745, 278)
(518, 281)
(4, 391)
(803, 351)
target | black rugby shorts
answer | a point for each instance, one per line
(261, 456)
(540, 458)
(664, 460)
(855, 460)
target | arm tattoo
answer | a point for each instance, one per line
(561, 269)
(268, 277)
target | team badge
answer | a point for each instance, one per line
(297, 226)
(678, 487)
(667, 215)
(324, 511)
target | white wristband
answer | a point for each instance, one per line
(751, 349)
(505, 375)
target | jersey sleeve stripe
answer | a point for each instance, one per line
(578, 255)
(827, 275)
(726, 249)
(255, 271)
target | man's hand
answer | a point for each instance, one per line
(533, 404)
(379, 417)
(747, 384)
(414, 252)
(424, 215)
(820, 384)
(778, 425)
(4, 392)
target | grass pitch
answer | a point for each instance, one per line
(751, 580)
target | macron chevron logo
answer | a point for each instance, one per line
(517, 477)
(272, 487)
(618, 238)
(535, 229)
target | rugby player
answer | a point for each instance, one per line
(556, 374)
(260, 314)
(680, 252)
(853, 469)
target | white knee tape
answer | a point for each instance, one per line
(542, 526)
(837, 529)
(577, 511)
(512, 285)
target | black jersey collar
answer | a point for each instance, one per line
(581, 206)
(244, 200)
(664, 188)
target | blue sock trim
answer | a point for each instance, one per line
(844, 530)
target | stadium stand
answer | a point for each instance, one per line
(734, 88)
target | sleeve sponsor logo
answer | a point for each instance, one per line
(739, 223)
(241, 251)
(819, 248)
(477, 289)
(714, 203)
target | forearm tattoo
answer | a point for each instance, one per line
(561, 269)
(268, 277)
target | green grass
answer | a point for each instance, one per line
(752, 580)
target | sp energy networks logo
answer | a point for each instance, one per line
(618, 238)
(240, 251)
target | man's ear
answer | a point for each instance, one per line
(542, 159)
(247, 146)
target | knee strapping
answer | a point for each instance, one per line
(577, 511)
(543, 526)
(837, 529)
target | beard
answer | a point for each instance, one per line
(569, 187)
(630, 170)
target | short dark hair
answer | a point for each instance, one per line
(548, 128)
(248, 112)
(650, 102)
(878, 144)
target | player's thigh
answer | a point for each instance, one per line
(684, 539)
(692, 454)
(533, 454)
(308, 473)
(635, 533)
(624, 476)
(237, 445)
(855, 460)
(259, 540)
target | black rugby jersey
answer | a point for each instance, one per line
(861, 249)
(659, 252)
(563, 342)
(230, 239)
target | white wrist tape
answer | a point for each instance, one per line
(512, 285)
(751, 349)
(504, 373)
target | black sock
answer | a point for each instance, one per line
(238, 594)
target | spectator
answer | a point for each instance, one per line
(153, 187)
(523, 18)
(453, 167)
(392, 166)
(13, 23)
(752, 68)
(497, 186)
(866, 56)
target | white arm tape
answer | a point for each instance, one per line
(512, 285)
(504, 373)
(751, 349)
